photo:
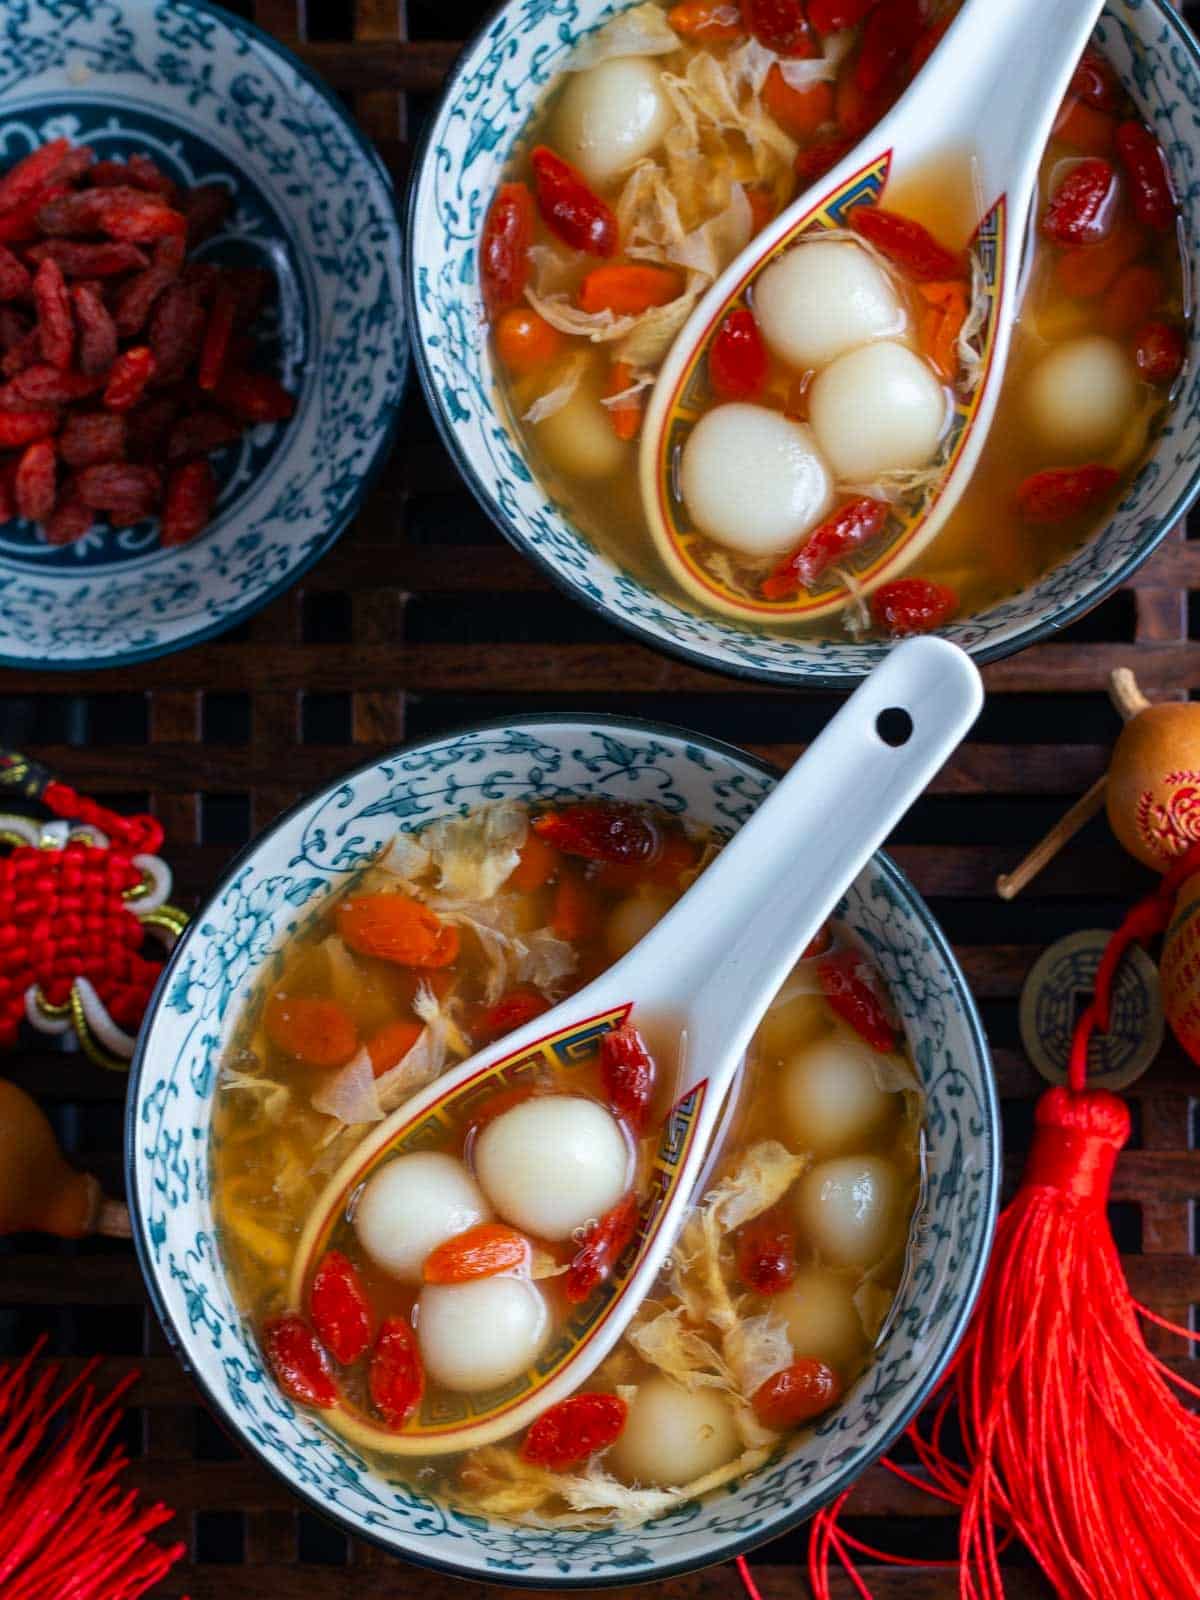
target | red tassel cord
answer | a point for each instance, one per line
(68, 1531)
(1073, 1435)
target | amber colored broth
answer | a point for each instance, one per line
(985, 551)
(249, 1154)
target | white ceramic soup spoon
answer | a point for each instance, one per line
(703, 977)
(988, 95)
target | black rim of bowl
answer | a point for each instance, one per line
(731, 1546)
(389, 416)
(814, 678)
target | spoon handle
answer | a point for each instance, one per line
(997, 79)
(722, 953)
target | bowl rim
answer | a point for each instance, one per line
(732, 1545)
(1035, 632)
(388, 415)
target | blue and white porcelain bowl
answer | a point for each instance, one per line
(283, 877)
(214, 100)
(496, 85)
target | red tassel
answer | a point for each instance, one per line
(1075, 1438)
(67, 1530)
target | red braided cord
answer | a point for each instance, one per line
(62, 917)
(137, 834)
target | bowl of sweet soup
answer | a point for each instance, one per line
(583, 183)
(372, 939)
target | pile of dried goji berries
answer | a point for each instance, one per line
(124, 362)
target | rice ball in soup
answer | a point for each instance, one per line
(877, 409)
(611, 116)
(481, 1334)
(553, 1163)
(823, 298)
(754, 480)
(413, 1204)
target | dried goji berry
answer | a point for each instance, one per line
(780, 25)
(119, 485)
(888, 39)
(300, 1366)
(848, 984)
(176, 331)
(69, 520)
(205, 209)
(480, 1252)
(44, 385)
(912, 605)
(136, 298)
(1149, 176)
(14, 326)
(504, 248)
(1087, 270)
(396, 1379)
(141, 222)
(14, 276)
(394, 927)
(74, 164)
(911, 246)
(821, 156)
(314, 1030)
(1080, 208)
(23, 427)
(797, 1394)
(217, 333)
(573, 1430)
(1059, 493)
(766, 1252)
(81, 260)
(80, 211)
(188, 503)
(198, 433)
(97, 330)
(22, 354)
(831, 16)
(339, 1308)
(737, 358)
(569, 208)
(147, 426)
(89, 437)
(19, 223)
(254, 396)
(34, 485)
(601, 830)
(1159, 350)
(1094, 81)
(56, 325)
(138, 171)
(849, 528)
(602, 1248)
(627, 1073)
(31, 173)
(131, 372)
(512, 1010)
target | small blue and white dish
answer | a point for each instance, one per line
(496, 86)
(213, 100)
(285, 875)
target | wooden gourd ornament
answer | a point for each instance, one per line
(40, 1191)
(1151, 793)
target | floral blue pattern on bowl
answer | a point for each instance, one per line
(213, 100)
(276, 884)
(496, 85)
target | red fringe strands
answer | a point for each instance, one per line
(1071, 1435)
(68, 1531)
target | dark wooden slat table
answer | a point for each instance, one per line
(421, 619)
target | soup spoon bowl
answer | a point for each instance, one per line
(703, 976)
(987, 98)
